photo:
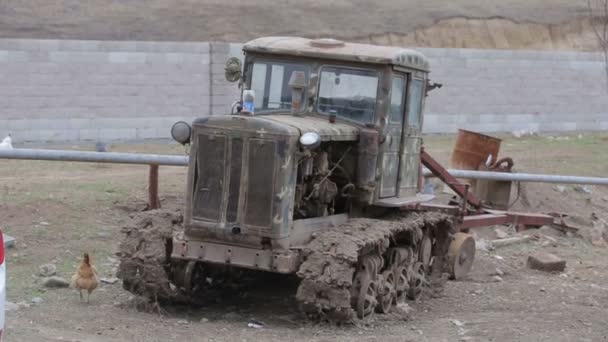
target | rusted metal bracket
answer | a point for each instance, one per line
(442, 173)
(522, 221)
(153, 200)
(483, 220)
(560, 223)
(442, 208)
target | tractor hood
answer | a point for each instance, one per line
(328, 131)
(242, 175)
(284, 125)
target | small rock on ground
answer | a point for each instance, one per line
(9, 241)
(457, 323)
(559, 188)
(55, 282)
(546, 262)
(112, 260)
(47, 270)
(37, 300)
(500, 234)
(583, 189)
(110, 280)
(403, 310)
(255, 324)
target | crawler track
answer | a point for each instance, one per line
(364, 266)
(349, 271)
(144, 254)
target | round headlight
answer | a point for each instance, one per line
(181, 131)
(310, 140)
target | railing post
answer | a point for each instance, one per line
(153, 200)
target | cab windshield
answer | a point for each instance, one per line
(348, 93)
(270, 83)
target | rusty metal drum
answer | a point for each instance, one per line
(472, 150)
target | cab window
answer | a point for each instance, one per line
(397, 94)
(270, 83)
(348, 93)
(415, 103)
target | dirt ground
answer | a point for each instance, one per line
(57, 211)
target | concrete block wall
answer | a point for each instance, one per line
(56, 90)
(502, 90)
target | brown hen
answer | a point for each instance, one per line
(85, 277)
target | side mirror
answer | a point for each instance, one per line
(233, 69)
(430, 86)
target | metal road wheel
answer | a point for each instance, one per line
(386, 292)
(194, 277)
(417, 280)
(461, 255)
(401, 282)
(366, 300)
(426, 252)
(365, 289)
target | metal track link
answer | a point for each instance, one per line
(344, 273)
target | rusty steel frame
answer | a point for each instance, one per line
(487, 217)
(479, 217)
(522, 221)
(561, 224)
(442, 173)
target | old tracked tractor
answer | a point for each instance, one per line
(317, 172)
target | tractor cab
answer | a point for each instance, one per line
(364, 86)
(324, 131)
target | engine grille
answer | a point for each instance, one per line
(209, 173)
(236, 167)
(229, 168)
(259, 196)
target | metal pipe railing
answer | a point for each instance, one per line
(95, 157)
(522, 177)
(153, 160)
(175, 160)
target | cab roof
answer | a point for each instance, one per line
(339, 50)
